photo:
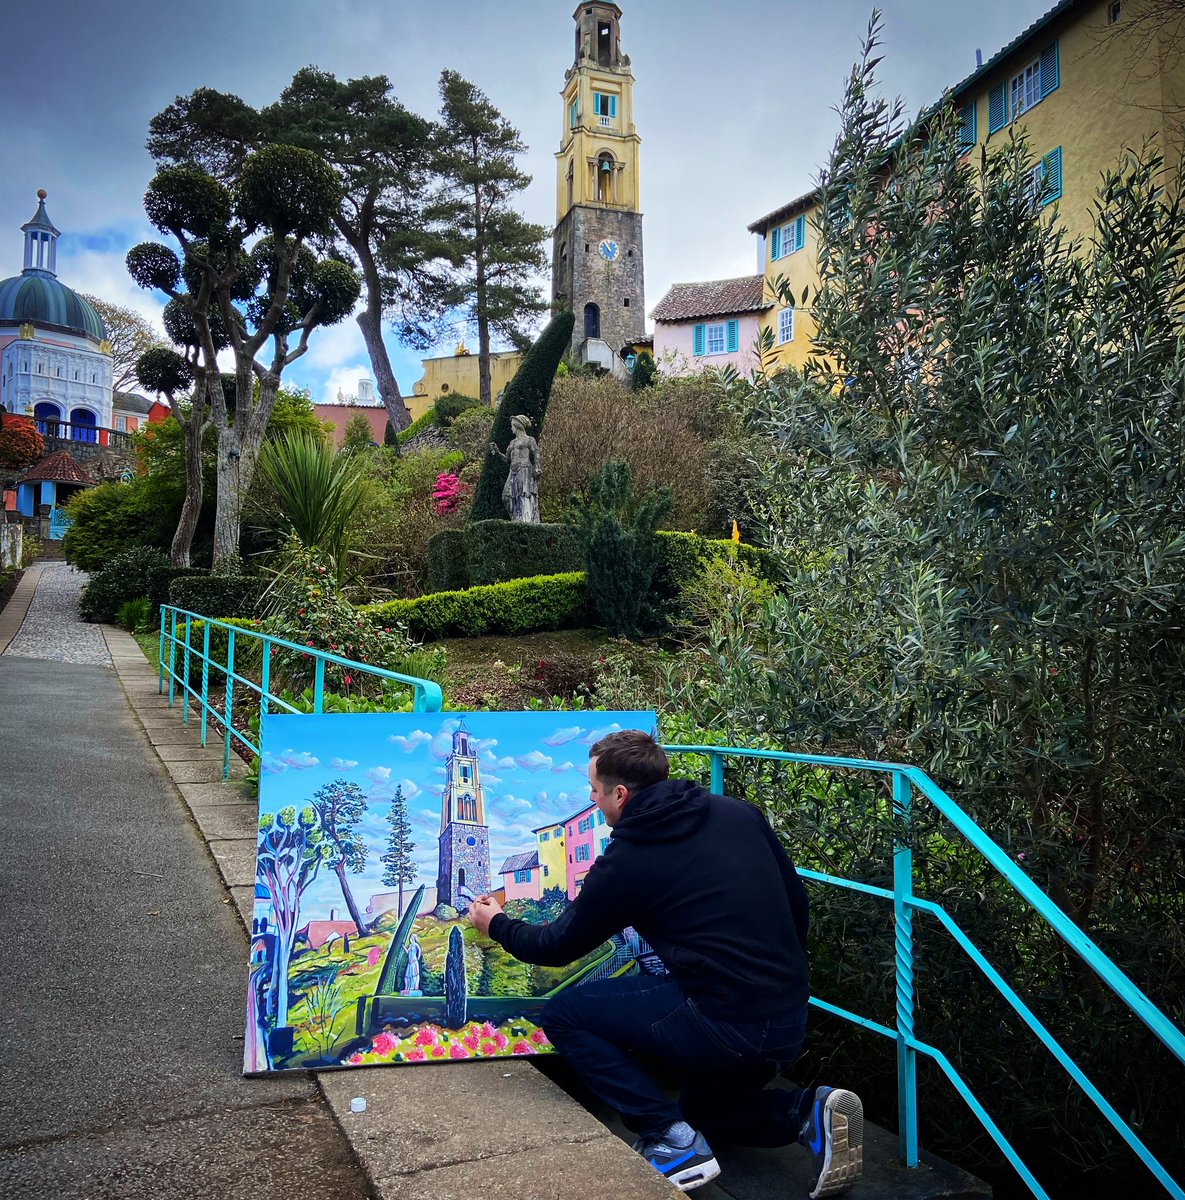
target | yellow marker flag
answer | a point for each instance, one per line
(736, 533)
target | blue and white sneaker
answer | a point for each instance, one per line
(686, 1167)
(834, 1135)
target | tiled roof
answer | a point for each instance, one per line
(527, 861)
(797, 205)
(59, 467)
(130, 402)
(716, 298)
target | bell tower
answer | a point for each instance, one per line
(464, 842)
(597, 248)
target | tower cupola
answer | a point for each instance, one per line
(598, 36)
(41, 239)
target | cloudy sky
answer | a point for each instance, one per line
(533, 769)
(734, 104)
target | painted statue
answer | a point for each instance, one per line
(411, 973)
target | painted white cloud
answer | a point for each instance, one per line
(409, 742)
(562, 736)
(533, 761)
(343, 764)
(594, 735)
(379, 775)
(562, 767)
(301, 760)
(272, 765)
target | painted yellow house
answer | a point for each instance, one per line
(1084, 82)
(458, 373)
(553, 864)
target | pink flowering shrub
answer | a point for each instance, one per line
(447, 493)
(478, 1039)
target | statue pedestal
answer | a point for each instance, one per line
(412, 992)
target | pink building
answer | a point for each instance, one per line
(586, 837)
(712, 324)
(522, 877)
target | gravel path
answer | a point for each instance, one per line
(52, 629)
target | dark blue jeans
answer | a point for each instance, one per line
(599, 1027)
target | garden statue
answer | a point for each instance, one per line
(411, 973)
(520, 493)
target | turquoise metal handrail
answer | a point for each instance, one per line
(905, 780)
(427, 696)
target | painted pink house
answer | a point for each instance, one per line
(712, 324)
(522, 877)
(587, 835)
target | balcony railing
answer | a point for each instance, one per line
(72, 432)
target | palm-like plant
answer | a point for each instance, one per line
(318, 490)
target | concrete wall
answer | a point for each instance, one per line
(340, 415)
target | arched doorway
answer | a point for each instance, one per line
(47, 415)
(460, 878)
(592, 321)
(83, 422)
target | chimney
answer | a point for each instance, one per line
(978, 58)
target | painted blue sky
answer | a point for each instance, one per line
(533, 769)
(734, 106)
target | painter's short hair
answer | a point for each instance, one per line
(630, 758)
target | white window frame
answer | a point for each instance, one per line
(1035, 182)
(121, 424)
(711, 333)
(785, 326)
(1025, 84)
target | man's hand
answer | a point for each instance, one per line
(481, 912)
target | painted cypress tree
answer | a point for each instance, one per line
(527, 393)
(456, 985)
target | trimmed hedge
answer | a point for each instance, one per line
(161, 579)
(684, 556)
(123, 577)
(416, 427)
(485, 552)
(449, 408)
(217, 595)
(535, 605)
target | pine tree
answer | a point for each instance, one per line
(501, 253)
(400, 863)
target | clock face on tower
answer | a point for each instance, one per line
(609, 250)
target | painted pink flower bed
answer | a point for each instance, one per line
(478, 1039)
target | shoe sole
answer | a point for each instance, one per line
(693, 1177)
(843, 1115)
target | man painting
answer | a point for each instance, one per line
(706, 882)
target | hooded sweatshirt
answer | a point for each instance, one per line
(706, 882)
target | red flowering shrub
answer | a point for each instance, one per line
(20, 443)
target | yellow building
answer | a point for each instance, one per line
(553, 865)
(458, 374)
(1084, 83)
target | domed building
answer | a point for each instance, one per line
(55, 360)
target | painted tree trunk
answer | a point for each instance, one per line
(191, 508)
(339, 870)
(456, 986)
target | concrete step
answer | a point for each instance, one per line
(749, 1174)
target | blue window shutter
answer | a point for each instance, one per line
(734, 336)
(697, 341)
(800, 232)
(1051, 71)
(775, 243)
(613, 106)
(968, 133)
(597, 98)
(996, 117)
(1053, 176)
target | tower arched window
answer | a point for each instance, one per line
(592, 321)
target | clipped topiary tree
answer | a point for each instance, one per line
(528, 394)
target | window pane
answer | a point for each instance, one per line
(716, 339)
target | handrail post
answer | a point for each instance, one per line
(185, 672)
(265, 681)
(160, 653)
(230, 693)
(172, 655)
(907, 1061)
(319, 685)
(205, 681)
(717, 781)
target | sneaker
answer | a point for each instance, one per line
(834, 1135)
(686, 1167)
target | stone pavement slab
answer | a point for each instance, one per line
(236, 860)
(229, 821)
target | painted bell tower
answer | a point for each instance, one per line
(464, 836)
(597, 248)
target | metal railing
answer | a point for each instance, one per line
(427, 696)
(71, 431)
(906, 781)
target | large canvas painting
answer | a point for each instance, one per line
(376, 832)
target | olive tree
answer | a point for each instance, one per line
(267, 296)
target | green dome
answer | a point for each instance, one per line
(39, 297)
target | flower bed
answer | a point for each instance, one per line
(433, 1043)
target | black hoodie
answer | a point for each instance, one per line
(706, 882)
